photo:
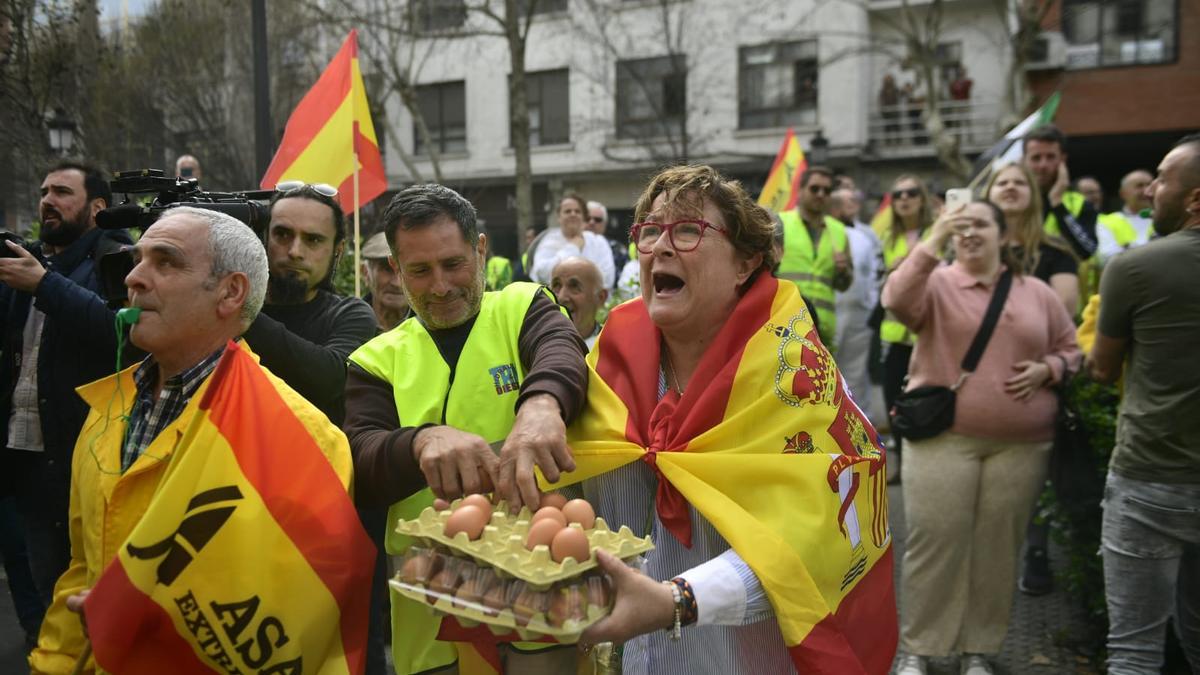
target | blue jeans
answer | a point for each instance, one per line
(1150, 542)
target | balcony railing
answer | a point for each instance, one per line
(902, 127)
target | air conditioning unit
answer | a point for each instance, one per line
(1048, 52)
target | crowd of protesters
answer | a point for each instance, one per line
(978, 298)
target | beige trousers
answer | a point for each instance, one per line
(966, 504)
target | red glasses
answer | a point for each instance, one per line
(684, 235)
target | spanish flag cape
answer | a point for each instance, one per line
(768, 446)
(250, 557)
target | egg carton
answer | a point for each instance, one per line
(502, 544)
(477, 595)
(501, 622)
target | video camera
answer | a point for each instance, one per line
(249, 206)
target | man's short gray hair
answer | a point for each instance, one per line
(597, 205)
(234, 248)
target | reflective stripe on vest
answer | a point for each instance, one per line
(1074, 203)
(480, 397)
(812, 271)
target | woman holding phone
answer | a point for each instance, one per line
(969, 490)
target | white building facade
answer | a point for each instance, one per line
(609, 104)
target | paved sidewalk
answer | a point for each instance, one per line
(12, 638)
(1042, 630)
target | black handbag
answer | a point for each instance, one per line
(927, 411)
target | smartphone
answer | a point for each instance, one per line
(957, 198)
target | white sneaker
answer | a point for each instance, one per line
(910, 664)
(974, 664)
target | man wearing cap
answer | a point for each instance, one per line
(385, 294)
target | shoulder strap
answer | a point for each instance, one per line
(990, 319)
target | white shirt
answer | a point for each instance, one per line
(554, 248)
(865, 252)
(25, 419)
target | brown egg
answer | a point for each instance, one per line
(552, 499)
(497, 597)
(480, 501)
(549, 512)
(569, 543)
(443, 582)
(566, 604)
(529, 603)
(542, 533)
(471, 591)
(580, 511)
(469, 519)
(419, 568)
(440, 504)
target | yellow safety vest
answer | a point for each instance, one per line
(1119, 226)
(891, 330)
(480, 397)
(499, 273)
(1074, 203)
(812, 270)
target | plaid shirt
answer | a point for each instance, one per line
(150, 416)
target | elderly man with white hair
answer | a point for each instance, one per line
(199, 280)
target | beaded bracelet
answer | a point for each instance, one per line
(689, 612)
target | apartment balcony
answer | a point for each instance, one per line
(899, 131)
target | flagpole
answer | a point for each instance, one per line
(357, 237)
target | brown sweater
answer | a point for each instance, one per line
(551, 352)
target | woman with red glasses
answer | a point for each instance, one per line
(716, 424)
(911, 214)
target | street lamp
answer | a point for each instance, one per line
(62, 132)
(818, 148)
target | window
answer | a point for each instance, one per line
(444, 108)
(1119, 32)
(439, 14)
(542, 6)
(651, 96)
(777, 84)
(549, 107)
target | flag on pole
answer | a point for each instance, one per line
(1010, 149)
(330, 135)
(783, 183)
(881, 222)
(250, 557)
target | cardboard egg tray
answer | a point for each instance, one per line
(502, 544)
(477, 595)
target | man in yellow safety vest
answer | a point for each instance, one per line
(816, 252)
(427, 401)
(1126, 228)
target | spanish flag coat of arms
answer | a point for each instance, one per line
(768, 446)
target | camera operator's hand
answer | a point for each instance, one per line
(22, 273)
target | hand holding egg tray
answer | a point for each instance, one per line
(504, 571)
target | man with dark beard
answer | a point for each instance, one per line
(58, 334)
(306, 331)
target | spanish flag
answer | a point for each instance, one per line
(329, 135)
(250, 557)
(782, 188)
(768, 446)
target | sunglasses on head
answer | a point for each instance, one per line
(290, 186)
(910, 192)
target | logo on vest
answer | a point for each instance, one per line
(504, 378)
